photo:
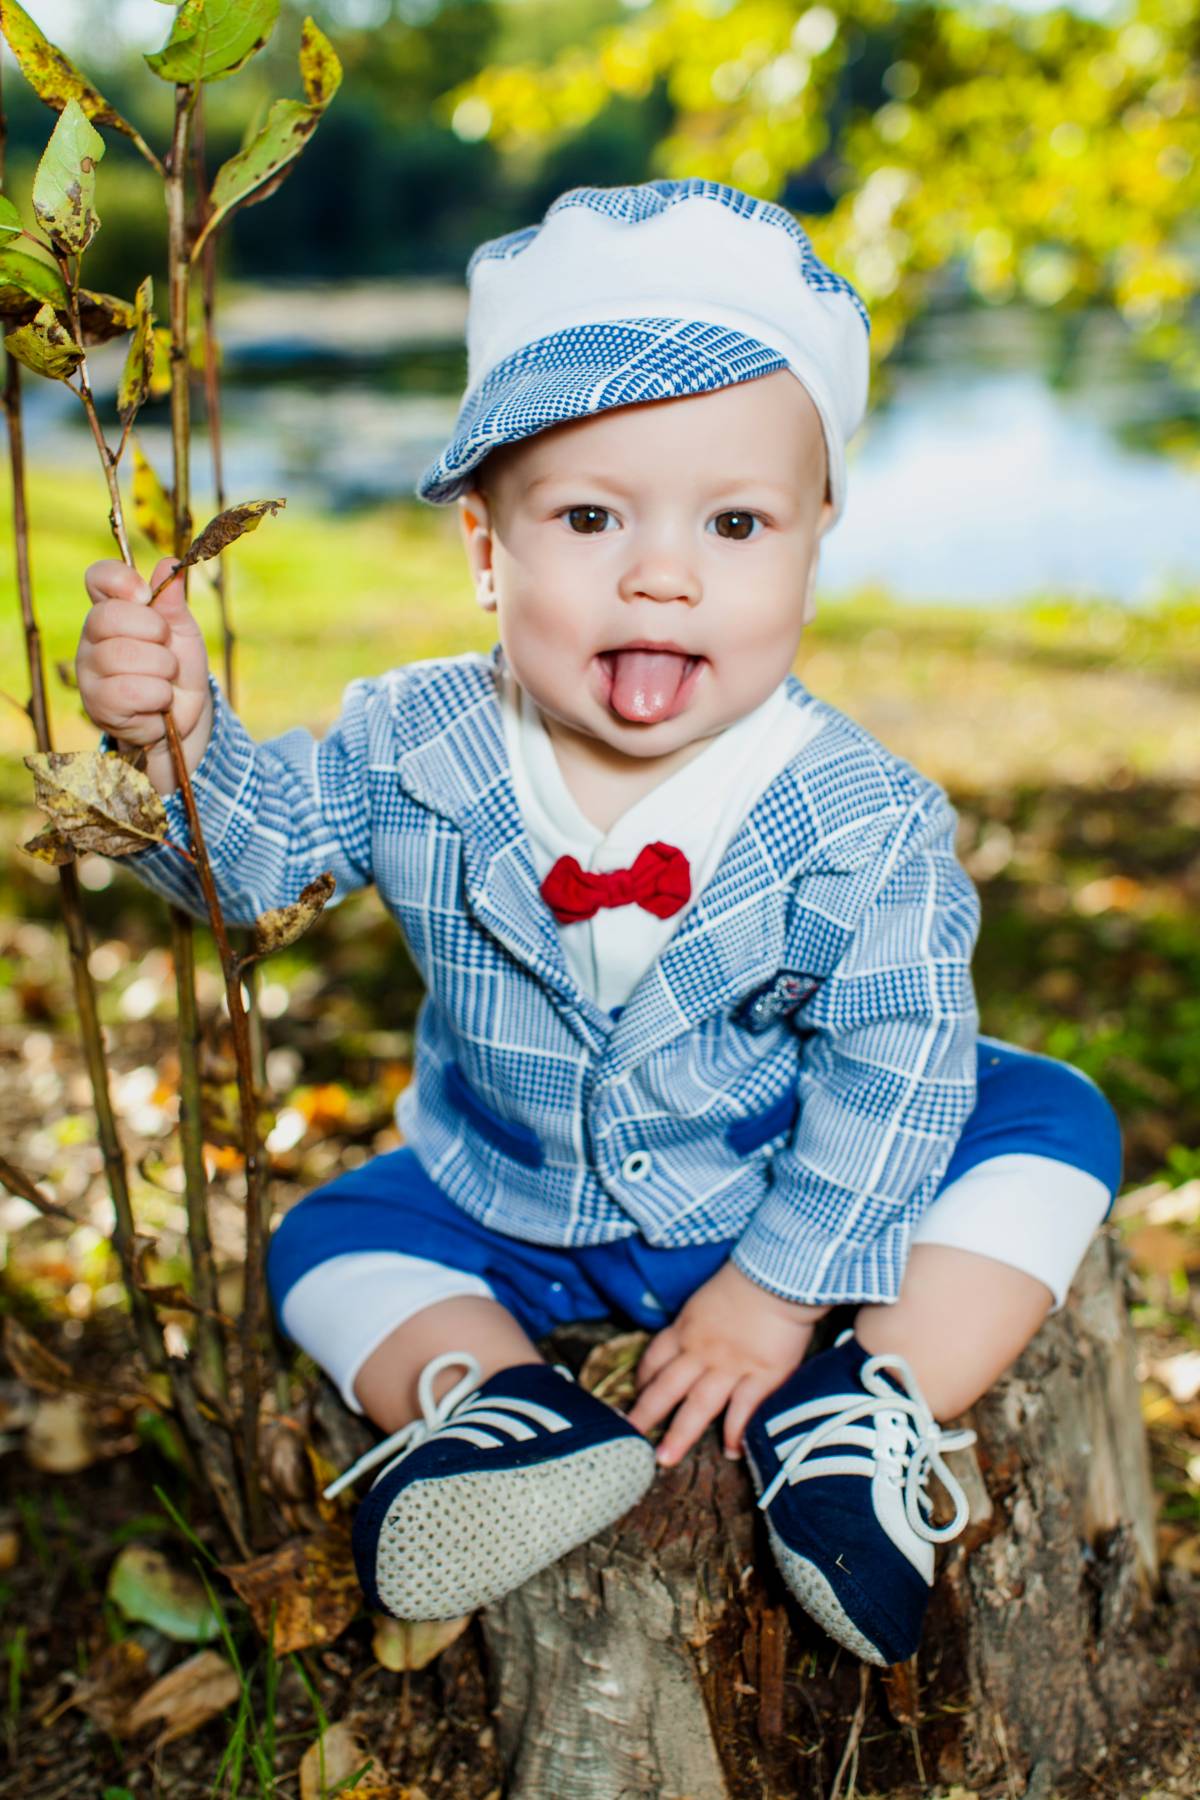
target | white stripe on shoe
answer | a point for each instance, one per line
(454, 1416)
(906, 1441)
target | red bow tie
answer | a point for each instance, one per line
(659, 880)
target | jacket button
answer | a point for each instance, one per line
(637, 1165)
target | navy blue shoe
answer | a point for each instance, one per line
(495, 1481)
(840, 1455)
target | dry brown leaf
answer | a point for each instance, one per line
(331, 1759)
(1161, 1250)
(610, 1371)
(36, 1366)
(399, 1645)
(311, 1584)
(111, 1686)
(39, 1368)
(186, 1698)
(10, 1548)
(226, 528)
(283, 925)
(903, 1697)
(1184, 1553)
(60, 1439)
(48, 847)
(97, 801)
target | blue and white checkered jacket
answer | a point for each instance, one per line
(792, 1073)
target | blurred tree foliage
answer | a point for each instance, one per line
(391, 187)
(936, 152)
(1047, 157)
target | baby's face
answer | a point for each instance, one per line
(650, 565)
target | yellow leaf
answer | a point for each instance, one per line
(398, 1644)
(135, 380)
(45, 346)
(153, 513)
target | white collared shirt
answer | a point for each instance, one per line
(698, 808)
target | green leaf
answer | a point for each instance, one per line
(139, 363)
(45, 346)
(257, 170)
(27, 283)
(10, 218)
(53, 76)
(214, 38)
(64, 188)
(151, 1591)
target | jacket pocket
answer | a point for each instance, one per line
(517, 1141)
(747, 1135)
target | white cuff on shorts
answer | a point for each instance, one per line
(1032, 1212)
(343, 1309)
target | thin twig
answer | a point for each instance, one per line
(74, 919)
(21, 1185)
(212, 392)
(251, 1332)
(854, 1738)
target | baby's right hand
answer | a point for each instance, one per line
(136, 660)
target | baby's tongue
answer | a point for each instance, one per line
(646, 683)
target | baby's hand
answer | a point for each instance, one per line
(135, 661)
(731, 1346)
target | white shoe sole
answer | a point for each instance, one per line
(451, 1545)
(820, 1602)
(803, 1579)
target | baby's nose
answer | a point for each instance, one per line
(661, 578)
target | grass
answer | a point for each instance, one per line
(1053, 690)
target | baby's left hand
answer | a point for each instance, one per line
(731, 1346)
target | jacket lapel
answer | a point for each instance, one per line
(459, 767)
(734, 936)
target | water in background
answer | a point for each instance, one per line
(1014, 455)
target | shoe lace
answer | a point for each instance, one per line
(927, 1444)
(434, 1414)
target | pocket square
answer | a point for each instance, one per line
(776, 999)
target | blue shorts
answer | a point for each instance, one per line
(1026, 1104)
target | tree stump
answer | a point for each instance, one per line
(664, 1658)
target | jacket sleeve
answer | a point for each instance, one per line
(274, 815)
(886, 1084)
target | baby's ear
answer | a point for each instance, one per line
(477, 540)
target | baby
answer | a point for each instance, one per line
(698, 1048)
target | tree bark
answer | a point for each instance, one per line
(664, 1659)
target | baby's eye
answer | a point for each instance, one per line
(587, 519)
(739, 525)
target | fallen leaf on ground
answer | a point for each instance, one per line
(60, 1440)
(111, 1686)
(186, 1698)
(399, 1645)
(1180, 1375)
(1162, 1250)
(1177, 1206)
(311, 1584)
(10, 1549)
(331, 1759)
(610, 1371)
(152, 1591)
